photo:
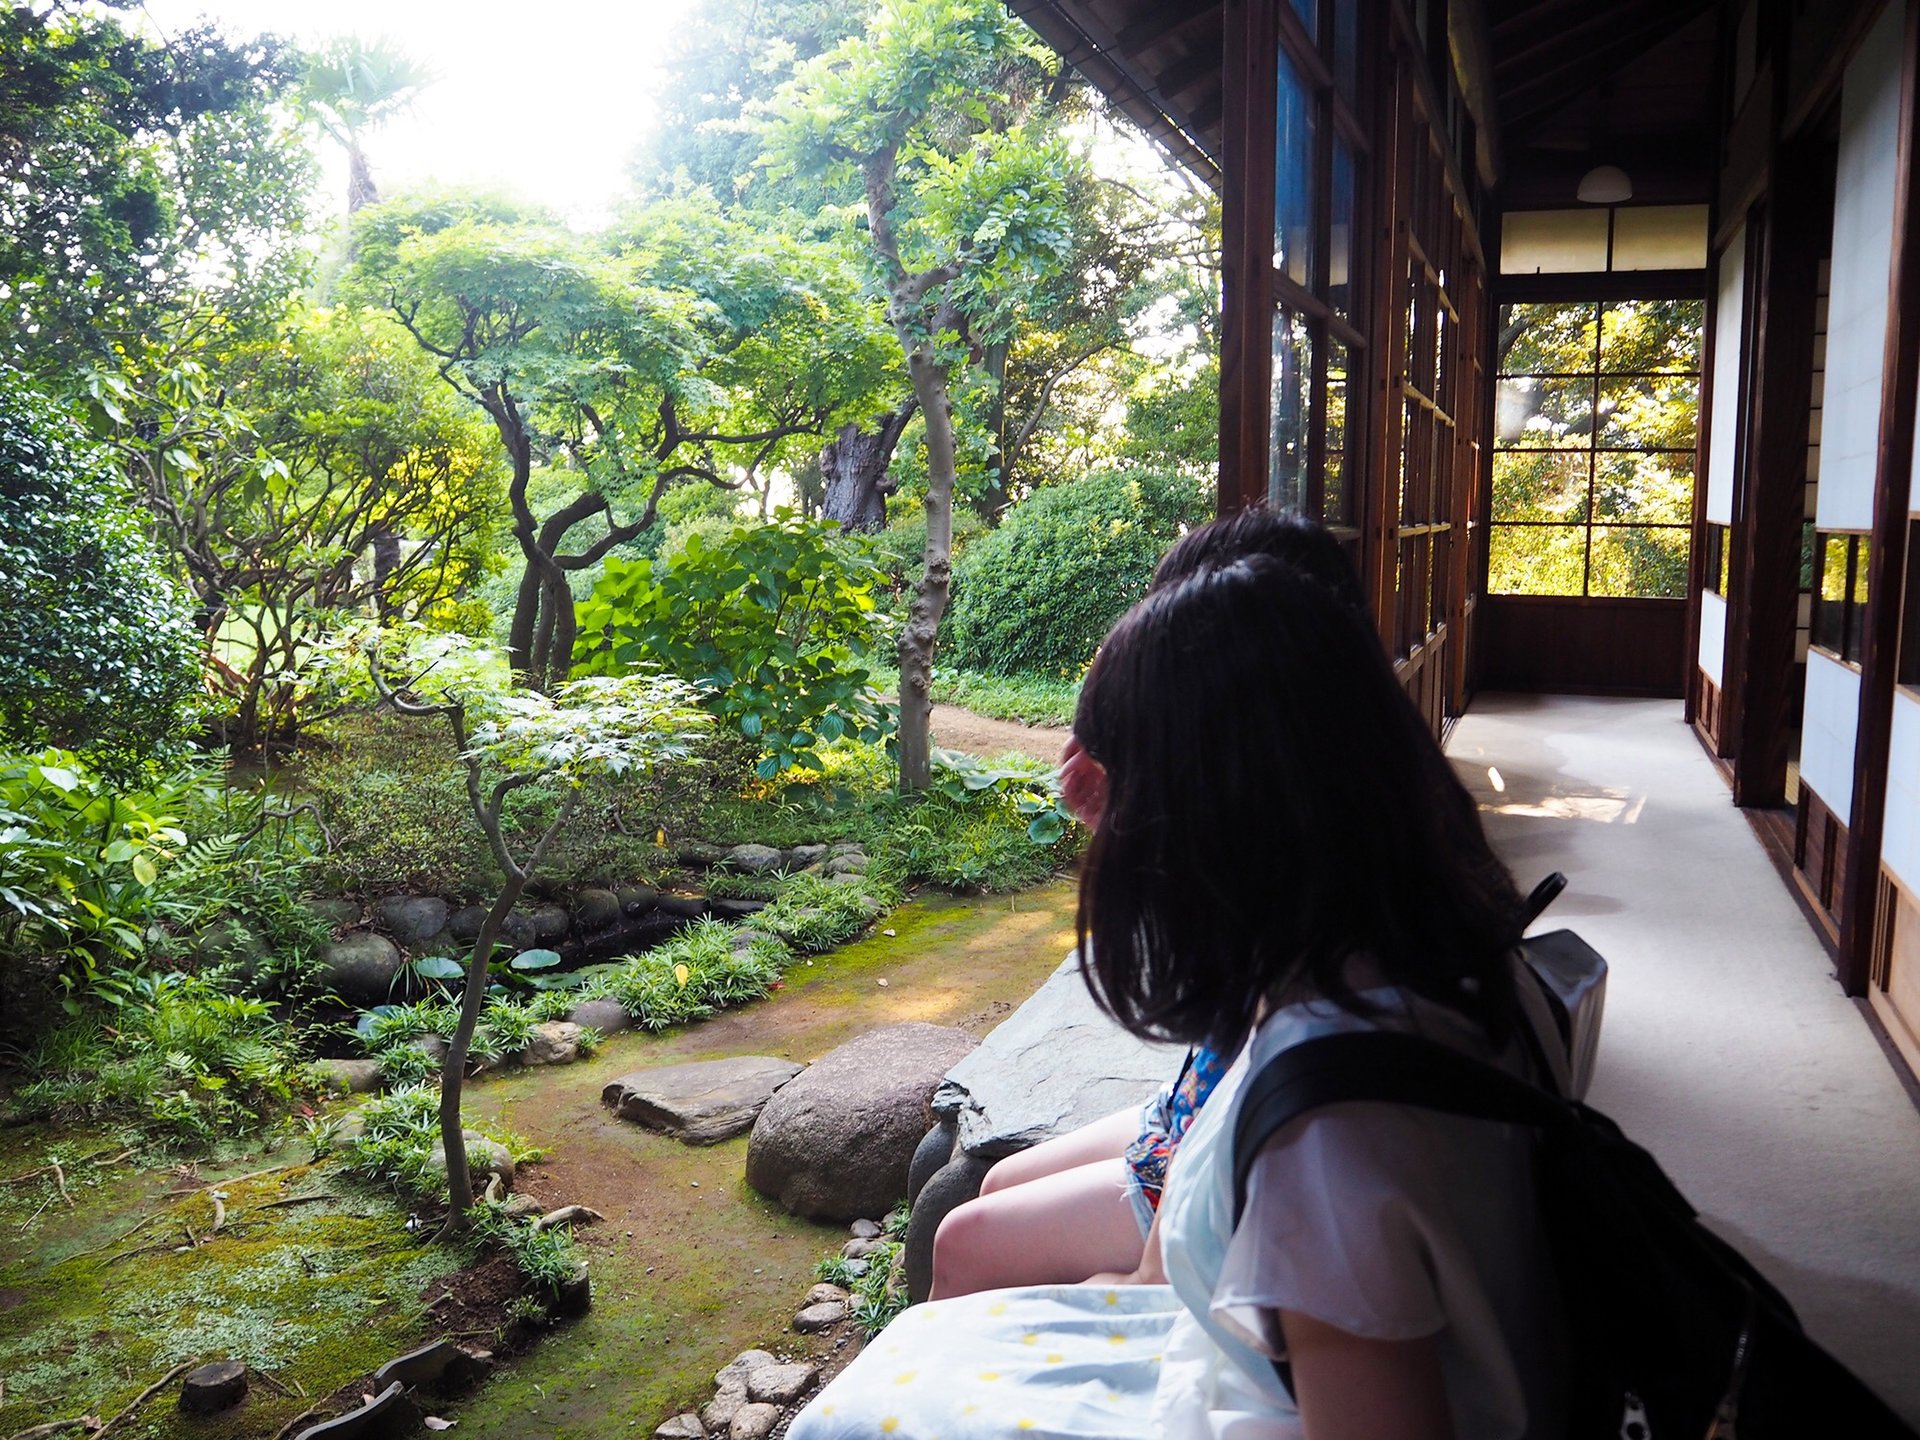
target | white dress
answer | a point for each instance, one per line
(1387, 1222)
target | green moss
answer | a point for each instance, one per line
(314, 1294)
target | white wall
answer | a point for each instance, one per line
(1900, 847)
(1862, 265)
(1826, 739)
(1723, 418)
(1713, 635)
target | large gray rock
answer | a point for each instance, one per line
(595, 909)
(835, 1143)
(337, 911)
(464, 924)
(754, 859)
(485, 1158)
(361, 966)
(552, 1042)
(1052, 1066)
(603, 1015)
(703, 1102)
(551, 923)
(357, 1076)
(638, 899)
(411, 919)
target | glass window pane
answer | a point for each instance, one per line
(1634, 560)
(1536, 559)
(1346, 47)
(1651, 335)
(1546, 339)
(1830, 599)
(1309, 13)
(1540, 485)
(1542, 412)
(1553, 242)
(1857, 604)
(1657, 411)
(1336, 505)
(1340, 244)
(1292, 376)
(1649, 489)
(1293, 177)
(1660, 237)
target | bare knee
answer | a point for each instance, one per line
(962, 1251)
(1004, 1173)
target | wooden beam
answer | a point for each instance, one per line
(1893, 471)
(1181, 76)
(1163, 23)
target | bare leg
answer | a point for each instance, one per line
(1104, 1139)
(1066, 1217)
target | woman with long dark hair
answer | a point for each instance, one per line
(1284, 853)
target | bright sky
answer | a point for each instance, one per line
(546, 99)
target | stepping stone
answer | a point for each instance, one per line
(703, 1102)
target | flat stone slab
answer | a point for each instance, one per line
(703, 1102)
(1053, 1065)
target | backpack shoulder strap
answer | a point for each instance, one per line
(1381, 1066)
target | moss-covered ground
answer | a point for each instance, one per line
(689, 1268)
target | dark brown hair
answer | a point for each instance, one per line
(1276, 810)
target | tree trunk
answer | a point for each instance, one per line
(386, 559)
(361, 191)
(922, 630)
(998, 494)
(854, 467)
(453, 1073)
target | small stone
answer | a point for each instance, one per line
(688, 907)
(550, 923)
(754, 859)
(753, 1422)
(348, 1128)
(638, 899)
(682, 1427)
(849, 847)
(779, 1384)
(815, 1318)
(603, 1015)
(522, 1207)
(552, 1042)
(864, 1230)
(845, 877)
(218, 1385)
(804, 855)
(518, 930)
(727, 908)
(595, 909)
(733, 1375)
(434, 1047)
(847, 865)
(826, 1294)
(700, 853)
(858, 1249)
(348, 1077)
(717, 1414)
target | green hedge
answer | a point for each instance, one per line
(1039, 593)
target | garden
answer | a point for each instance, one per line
(456, 658)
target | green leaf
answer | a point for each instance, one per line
(438, 967)
(144, 870)
(1046, 829)
(534, 960)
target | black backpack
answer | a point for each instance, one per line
(1672, 1334)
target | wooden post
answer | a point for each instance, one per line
(1250, 59)
(1887, 566)
(1762, 625)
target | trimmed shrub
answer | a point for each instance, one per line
(1039, 593)
(97, 648)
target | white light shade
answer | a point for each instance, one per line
(1604, 185)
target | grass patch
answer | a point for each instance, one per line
(1031, 699)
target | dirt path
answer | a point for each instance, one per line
(957, 729)
(691, 1267)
